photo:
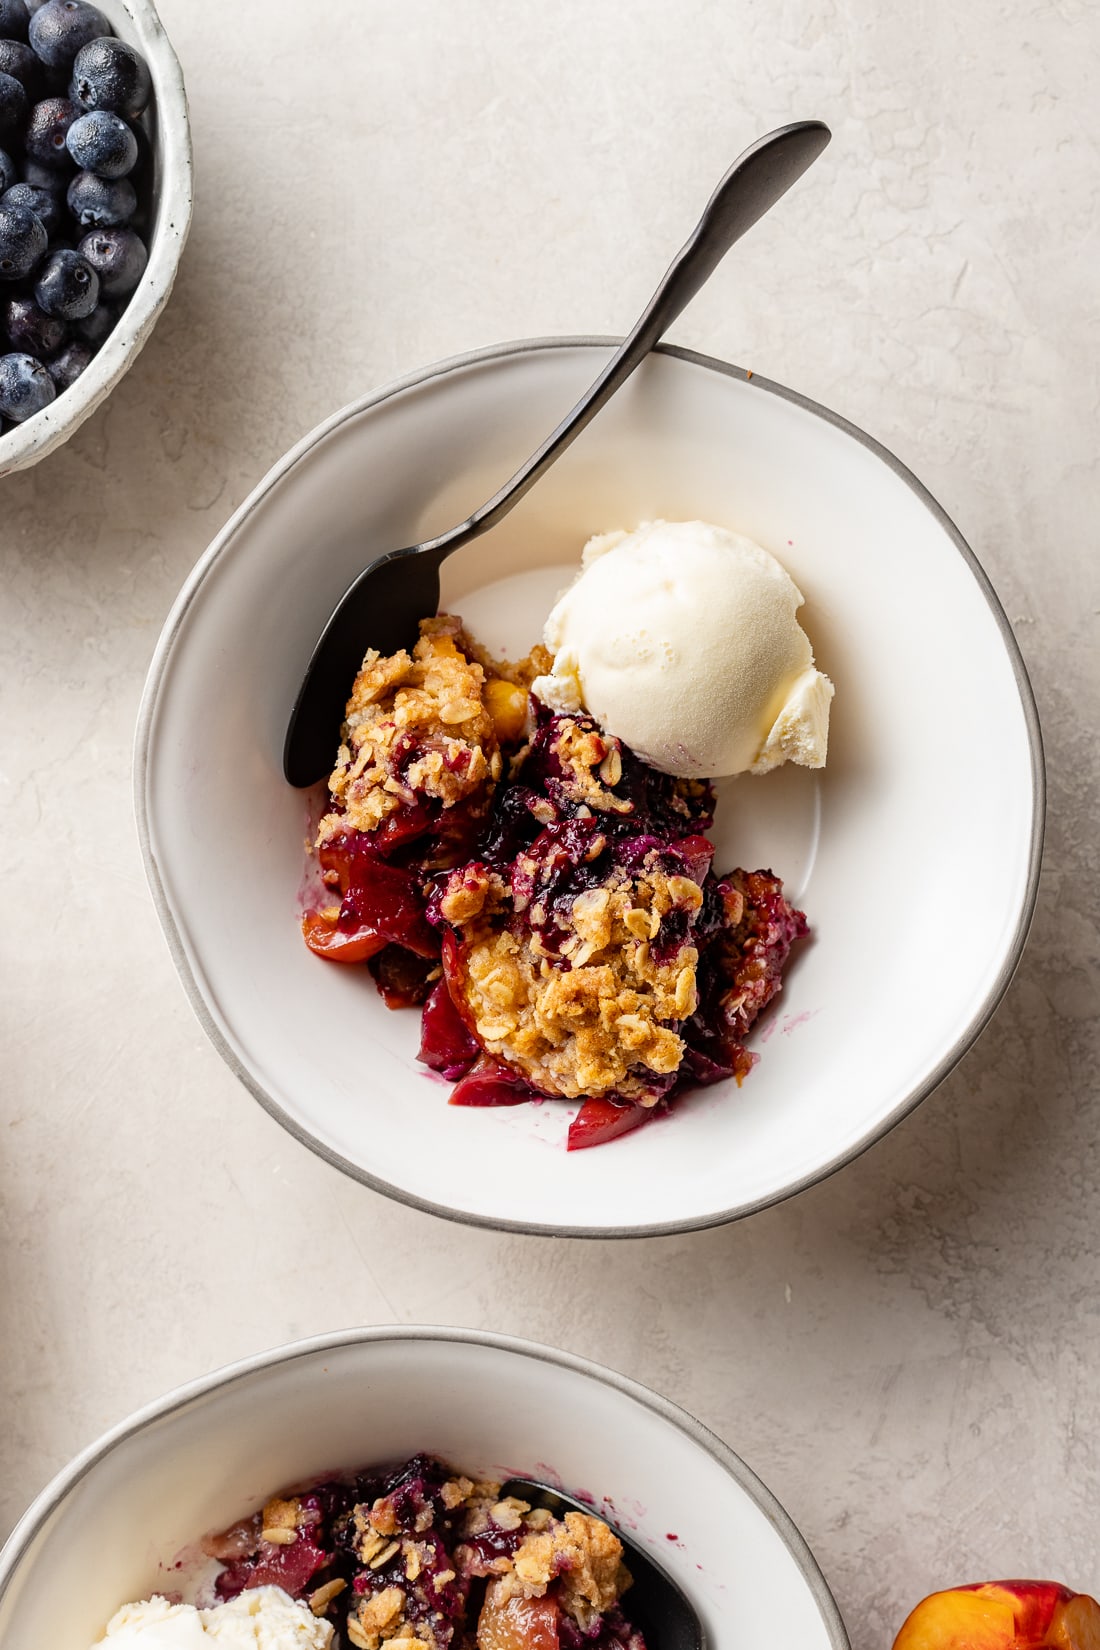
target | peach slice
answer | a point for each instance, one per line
(1003, 1615)
(516, 1623)
(1076, 1624)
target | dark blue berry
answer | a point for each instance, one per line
(44, 203)
(13, 106)
(17, 59)
(25, 387)
(9, 172)
(67, 286)
(23, 241)
(67, 367)
(101, 203)
(101, 142)
(61, 27)
(31, 331)
(97, 326)
(43, 177)
(46, 130)
(118, 258)
(14, 19)
(109, 74)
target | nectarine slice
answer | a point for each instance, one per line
(960, 1619)
(517, 1623)
(1076, 1624)
(1003, 1615)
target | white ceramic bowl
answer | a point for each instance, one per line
(111, 1527)
(915, 854)
(170, 146)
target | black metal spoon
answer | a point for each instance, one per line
(383, 607)
(655, 1603)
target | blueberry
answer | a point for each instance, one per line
(97, 326)
(67, 367)
(61, 27)
(23, 241)
(9, 172)
(46, 129)
(44, 203)
(31, 330)
(25, 387)
(13, 106)
(14, 19)
(43, 177)
(67, 286)
(17, 59)
(101, 142)
(118, 258)
(101, 203)
(109, 74)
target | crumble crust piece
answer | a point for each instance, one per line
(428, 706)
(583, 1554)
(280, 1521)
(583, 1028)
(430, 722)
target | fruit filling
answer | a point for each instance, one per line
(427, 1555)
(547, 898)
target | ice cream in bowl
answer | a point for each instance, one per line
(681, 639)
(574, 840)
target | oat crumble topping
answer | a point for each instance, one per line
(582, 1029)
(547, 897)
(439, 1560)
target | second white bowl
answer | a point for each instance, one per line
(125, 1518)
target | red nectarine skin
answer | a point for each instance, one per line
(1003, 1615)
(1035, 1603)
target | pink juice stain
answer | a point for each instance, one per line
(793, 1021)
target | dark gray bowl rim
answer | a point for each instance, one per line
(61, 1486)
(147, 717)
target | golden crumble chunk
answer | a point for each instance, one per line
(415, 724)
(374, 1617)
(583, 1028)
(579, 1553)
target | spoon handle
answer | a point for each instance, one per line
(753, 184)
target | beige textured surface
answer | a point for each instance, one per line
(908, 1353)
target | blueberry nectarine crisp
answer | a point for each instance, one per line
(424, 1556)
(546, 898)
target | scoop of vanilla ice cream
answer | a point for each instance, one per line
(154, 1624)
(681, 640)
(262, 1618)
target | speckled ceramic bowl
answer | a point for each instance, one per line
(123, 1520)
(169, 134)
(915, 854)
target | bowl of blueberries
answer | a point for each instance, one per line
(95, 205)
